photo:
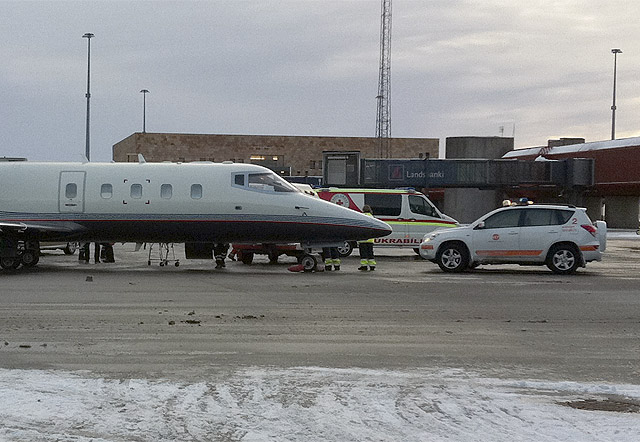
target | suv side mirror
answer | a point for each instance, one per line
(480, 226)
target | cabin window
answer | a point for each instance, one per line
(71, 191)
(196, 191)
(106, 191)
(166, 191)
(136, 191)
(238, 180)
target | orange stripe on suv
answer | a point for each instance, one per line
(508, 252)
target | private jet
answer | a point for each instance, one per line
(197, 203)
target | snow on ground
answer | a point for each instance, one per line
(310, 404)
(622, 234)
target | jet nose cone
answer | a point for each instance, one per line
(380, 228)
(372, 227)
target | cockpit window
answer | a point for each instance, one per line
(269, 182)
(263, 182)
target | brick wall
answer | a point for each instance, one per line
(302, 154)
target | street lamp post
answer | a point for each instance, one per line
(615, 53)
(88, 36)
(144, 93)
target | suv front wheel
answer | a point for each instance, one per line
(563, 259)
(452, 257)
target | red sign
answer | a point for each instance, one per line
(496, 236)
(396, 172)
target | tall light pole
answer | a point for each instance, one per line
(144, 93)
(383, 118)
(88, 36)
(615, 53)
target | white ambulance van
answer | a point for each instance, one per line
(410, 214)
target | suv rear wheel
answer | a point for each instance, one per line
(452, 257)
(563, 259)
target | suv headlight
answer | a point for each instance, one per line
(430, 236)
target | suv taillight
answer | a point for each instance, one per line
(589, 228)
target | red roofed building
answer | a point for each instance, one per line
(617, 175)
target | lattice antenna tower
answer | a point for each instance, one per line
(383, 120)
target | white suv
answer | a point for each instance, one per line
(562, 237)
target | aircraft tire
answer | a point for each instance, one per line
(10, 263)
(308, 263)
(30, 258)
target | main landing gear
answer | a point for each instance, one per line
(15, 253)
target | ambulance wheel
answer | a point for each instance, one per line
(452, 257)
(308, 263)
(30, 258)
(10, 263)
(71, 248)
(346, 249)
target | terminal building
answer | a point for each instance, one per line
(286, 155)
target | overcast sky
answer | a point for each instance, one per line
(310, 67)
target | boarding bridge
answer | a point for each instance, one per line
(472, 187)
(341, 170)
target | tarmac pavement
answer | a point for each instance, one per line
(133, 320)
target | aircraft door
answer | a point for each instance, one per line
(71, 192)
